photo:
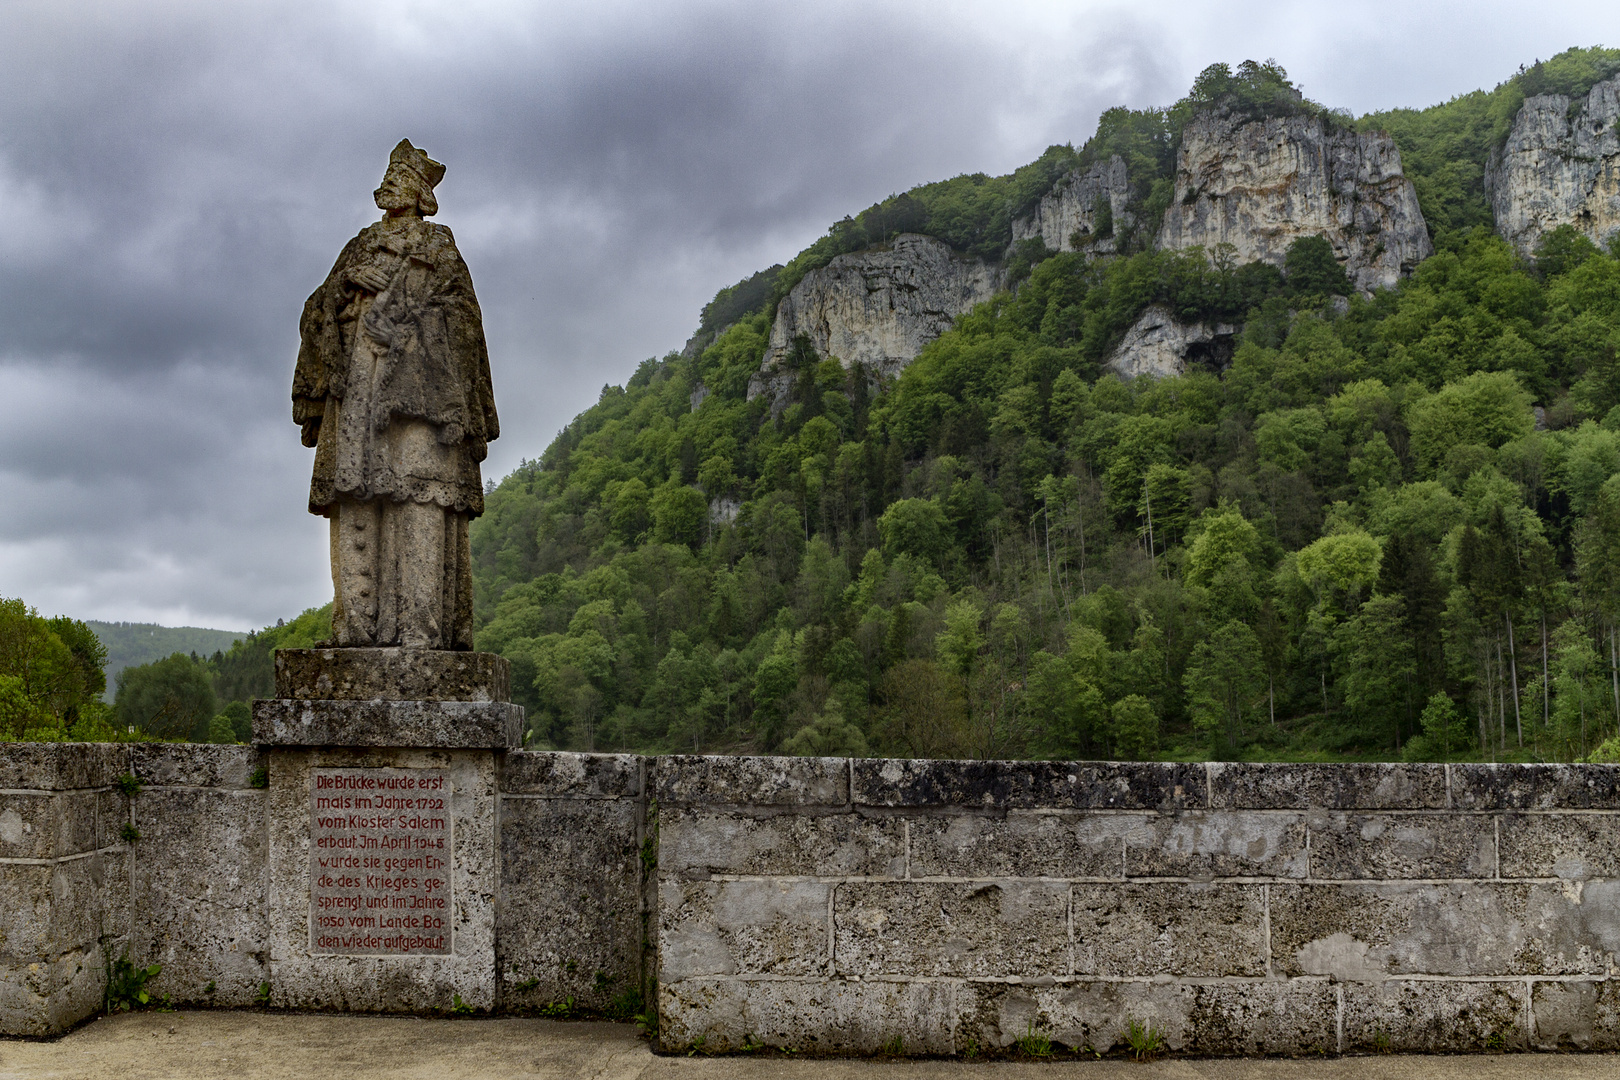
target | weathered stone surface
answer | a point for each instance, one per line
(1243, 785)
(1212, 843)
(1559, 166)
(952, 928)
(1397, 846)
(1057, 785)
(194, 765)
(1575, 847)
(571, 776)
(816, 1015)
(749, 927)
(699, 842)
(878, 307)
(1535, 787)
(1367, 932)
(1022, 845)
(1259, 186)
(301, 979)
(1434, 1017)
(1169, 928)
(692, 780)
(1084, 211)
(446, 724)
(61, 766)
(392, 389)
(1576, 1015)
(361, 674)
(1159, 346)
(1295, 1017)
(200, 878)
(569, 920)
(44, 825)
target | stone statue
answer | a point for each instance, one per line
(392, 390)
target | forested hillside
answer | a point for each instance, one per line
(1390, 527)
(130, 644)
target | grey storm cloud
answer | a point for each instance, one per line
(176, 178)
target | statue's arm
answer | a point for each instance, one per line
(467, 327)
(319, 348)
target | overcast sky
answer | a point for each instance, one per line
(176, 178)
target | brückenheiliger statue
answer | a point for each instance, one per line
(392, 390)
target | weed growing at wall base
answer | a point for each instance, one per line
(1146, 1041)
(126, 984)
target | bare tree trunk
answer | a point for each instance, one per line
(1080, 515)
(1614, 672)
(1513, 667)
(1046, 517)
(1546, 692)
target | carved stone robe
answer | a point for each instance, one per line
(403, 426)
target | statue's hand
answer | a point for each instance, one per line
(309, 432)
(378, 328)
(369, 278)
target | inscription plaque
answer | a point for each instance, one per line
(379, 862)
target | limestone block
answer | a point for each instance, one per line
(194, 765)
(1434, 1017)
(1250, 786)
(1397, 846)
(45, 825)
(952, 928)
(1576, 1015)
(1534, 787)
(569, 920)
(61, 766)
(693, 780)
(446, 724)
(1058, 785)
(397, 674)
(572, 776)
(1367, 932)
(1295, 1017)
(1022, 845)
(1169, 928)
(838, 1016)
(1213, 843)
(1575, 847)
(749, 927)
(199, 885)
(697, 842)
(301, 978)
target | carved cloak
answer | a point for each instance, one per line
(436, 368)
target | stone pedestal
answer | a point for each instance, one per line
(384, 867)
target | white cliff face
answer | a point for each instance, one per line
(879, 307)
(1554, 170)
(1261, 185)
(1159, 346)
(1067, 218)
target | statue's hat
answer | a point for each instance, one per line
(418, 162)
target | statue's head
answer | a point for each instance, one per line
(408, 184)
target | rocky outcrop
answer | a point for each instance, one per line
(878, 307)
(1559, 169)
(1159, 346)
(1263, 184)
(1083, 211)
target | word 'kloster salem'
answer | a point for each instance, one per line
(380, 863)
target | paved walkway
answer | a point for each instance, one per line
(262, 1046)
